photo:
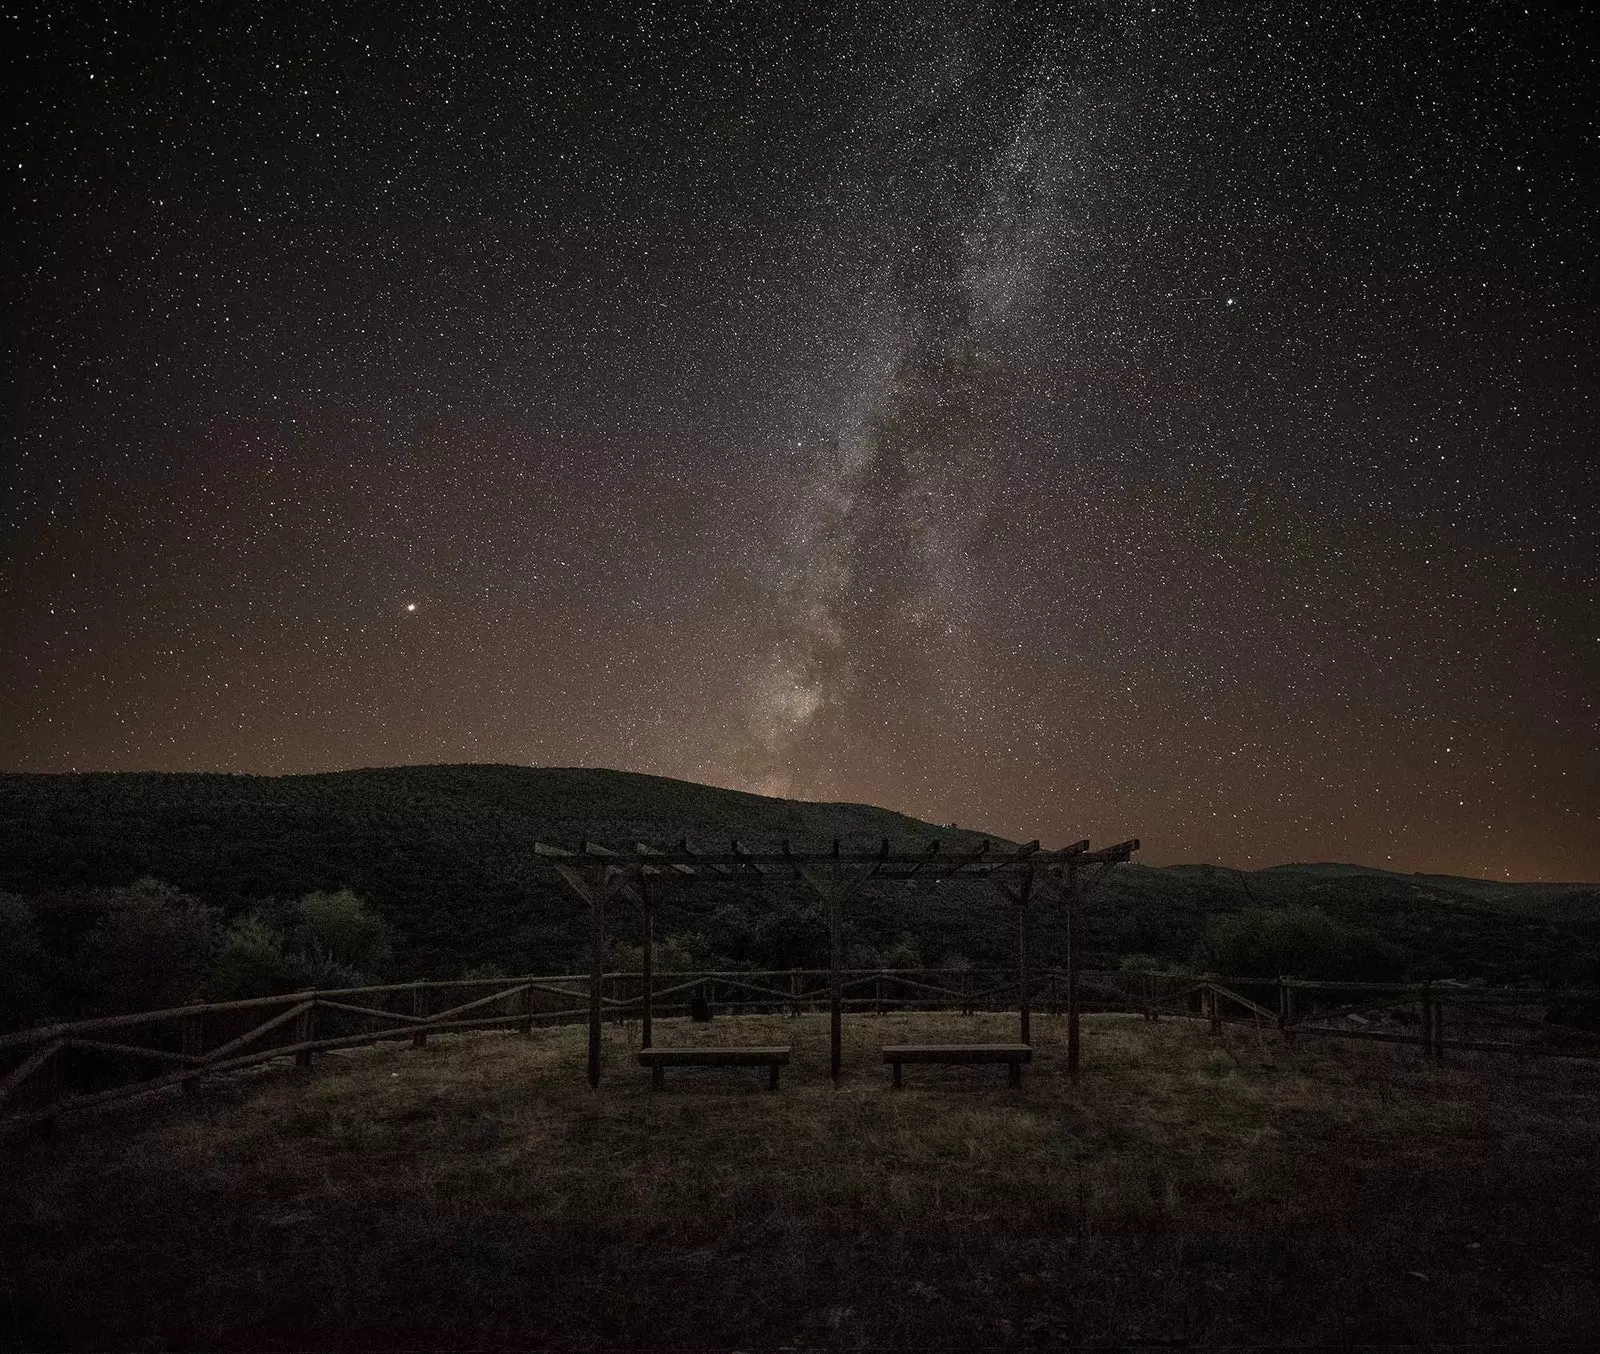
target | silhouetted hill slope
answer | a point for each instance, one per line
(1552, 901)
(443, 854)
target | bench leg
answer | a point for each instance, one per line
(772, 1080)
(896, 1067)
(1016, 1076)
(658, 1076)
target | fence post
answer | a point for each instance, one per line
(879, 986)
(54, 1075)
(525, 1025)
(419, 1007)
(194, 1044)
(966, 991)
(1286, 1009)
(597, 958)
(836, 989)
(305, 1030)
(1432, 1024)
(1213, 1009)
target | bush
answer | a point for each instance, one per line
(253, 962)
(676, 954)
(26, 986)
(790, 935)
(155, 947)
(334, 931)
(903, 954)
(1303, 941)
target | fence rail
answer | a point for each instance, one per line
(92, 1062)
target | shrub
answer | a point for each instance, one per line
(253, 962)
(155, 947)
(24, 992)
(676, 954)
(1304, 941)
(336, 932)
(903, 954)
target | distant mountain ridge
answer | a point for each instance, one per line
(1487, 888)
(443, 853)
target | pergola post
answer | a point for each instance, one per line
(1072, 895)
(1019, 898)
(593, 892)
(649, 954)
(597, 960)
(1024, 1013)
(835, 962)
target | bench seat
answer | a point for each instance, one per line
(1014, 1055)
(658, 1059)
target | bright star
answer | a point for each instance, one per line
(411, 606)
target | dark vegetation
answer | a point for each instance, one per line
(129, 891)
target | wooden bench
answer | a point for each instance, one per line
(1013, 1054)
(659, 1059)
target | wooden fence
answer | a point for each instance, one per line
(90, 1062)
(1436, 1016)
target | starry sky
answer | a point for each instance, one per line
(1162, 420)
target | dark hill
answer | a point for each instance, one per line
(443, 853)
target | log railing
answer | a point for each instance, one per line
(90, 1062)
(1436, 1016)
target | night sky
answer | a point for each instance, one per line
(1172, 421)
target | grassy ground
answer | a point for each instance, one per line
(476, 1193)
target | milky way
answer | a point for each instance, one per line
(1132, 420)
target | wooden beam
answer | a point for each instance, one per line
(1023, 1013)
(1070, 890)
(961, 863)
(853, 884)
(419, 1009)
(40, 1057)
(649, 959)
(933, 850)
(747, 857)
(576, 882)
(1004, 889)
(742, 857)
(691, 856)
(835, 979)
(597, 951)
(645, 849)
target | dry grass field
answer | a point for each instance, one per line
(477, 1194)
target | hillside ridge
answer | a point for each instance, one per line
(442, 852)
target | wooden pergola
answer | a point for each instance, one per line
(597, 874)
